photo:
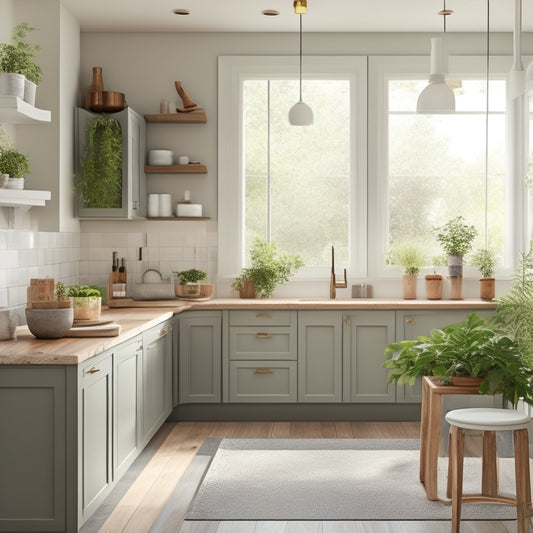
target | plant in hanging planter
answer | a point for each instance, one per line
(16, 165)
(99, 182)
(268, 268)
(485, 261)
(473, 348)
(407, 255)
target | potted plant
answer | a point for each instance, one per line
(409, 257)
(86, 301)
(434, 281)
(474, 348)
(20, 74)
(456, 238)
(268, 268)
(485, 260)
(99, 182)
(16, 165)
(190, 284)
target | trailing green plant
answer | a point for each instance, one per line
(474, 347)
(83, 291)
(99, 182)
(18, 56)
(191, 276)
(14, 163)
(456, 236)
(268, 268)
(485, 261)
(407, 255)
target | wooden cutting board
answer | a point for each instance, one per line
(107, 330)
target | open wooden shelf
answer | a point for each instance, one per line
(175, 169)
(176, 118)
(179, 218)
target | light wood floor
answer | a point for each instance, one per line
(137, 505)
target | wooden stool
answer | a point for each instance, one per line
(489, 421)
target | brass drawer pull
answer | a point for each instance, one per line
(409, 320)
(263, 315)
(163, 332)
(92, 370)
(263, 371)
(262, 336)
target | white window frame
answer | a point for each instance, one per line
(233, 70)
(381, 70)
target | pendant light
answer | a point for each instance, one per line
(300, 113)
(437, 97)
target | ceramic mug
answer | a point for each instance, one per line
(183, 160)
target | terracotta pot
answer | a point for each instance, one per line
(456, 284)
(487, 288)
(433, 287)
(409, 287)
(248, 290)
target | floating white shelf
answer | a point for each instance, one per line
(13, 110)
(23, 197)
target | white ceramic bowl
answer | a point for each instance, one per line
(160, 157)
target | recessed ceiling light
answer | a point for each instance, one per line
(181, 12)
(270, 13)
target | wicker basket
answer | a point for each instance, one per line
(194, 291)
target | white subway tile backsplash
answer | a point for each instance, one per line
(188, 254)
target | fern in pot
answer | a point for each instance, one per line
(16, 165)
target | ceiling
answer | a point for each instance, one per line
(322, 15)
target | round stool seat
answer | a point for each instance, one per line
(488, 419)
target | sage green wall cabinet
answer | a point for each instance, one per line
(365, 336)
(32, 448)
(132, 203)
(319, 356)
(95, 414)
(200, 357)
(156, 378)
(127, 402)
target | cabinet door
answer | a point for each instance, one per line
(157, 378)
(127, 401)
(200, 358)
(319, 356)
(365, 336)
(95, 430)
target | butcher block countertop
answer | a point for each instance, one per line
(27, 350)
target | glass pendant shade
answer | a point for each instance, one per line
(437, 97)
(300, 114)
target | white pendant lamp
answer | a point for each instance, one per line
(437, 97)
(300, 113)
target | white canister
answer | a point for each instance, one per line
(165, 205)
(183, 160)
(153, 205)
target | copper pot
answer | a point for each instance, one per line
(107, 101)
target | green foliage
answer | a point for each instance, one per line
(99, 183)
(408, 255)
(14, 163)
(191, 276)
(60, 291)
(18, 56)
(268, 268)
(83, 291)
(514, 310)
(475, 347)
(456, 236)
(485, 261)
(5, 142)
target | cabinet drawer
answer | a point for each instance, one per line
(262, 381)
(262, 318)
(262, 343)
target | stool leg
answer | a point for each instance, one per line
(450, 468)
(456, 457)
(489, 474)
(523, 484)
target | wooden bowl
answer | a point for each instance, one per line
(107, 102)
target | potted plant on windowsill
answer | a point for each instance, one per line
(16, 165)
(86, 302)
(485, 261)
(269, 267)
(409, 256)
(190, 285)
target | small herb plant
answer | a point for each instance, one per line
(485, 261)
(268, 268)
(14, 163)
(408, 256)
(191, 276)
(456, 236)
(99, 182)
(60, 291)
(475, 347)
(18, 56)
(83, 291)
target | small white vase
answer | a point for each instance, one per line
(30, 89)
(15, 183)
(12, 84)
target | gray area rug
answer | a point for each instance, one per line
(332, 479)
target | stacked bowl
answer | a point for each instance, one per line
(160, 157)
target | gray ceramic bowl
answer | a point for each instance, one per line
(49, 323)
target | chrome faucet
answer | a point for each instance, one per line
(333, 284)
